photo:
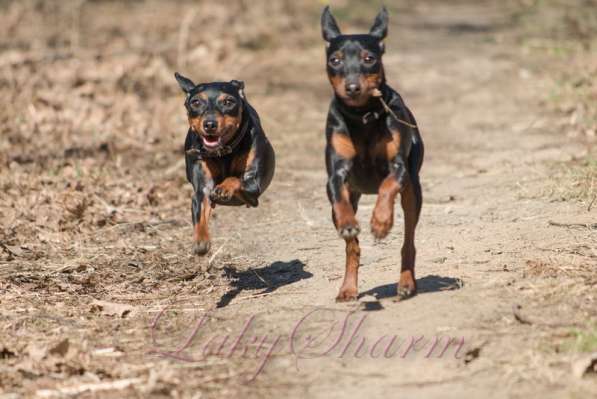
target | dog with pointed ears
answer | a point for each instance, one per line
(229, 160)
(373, 146)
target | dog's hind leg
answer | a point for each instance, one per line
(411, 201)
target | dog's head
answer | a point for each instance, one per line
(354, 61)
(215, 110)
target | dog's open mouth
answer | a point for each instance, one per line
(211, 141)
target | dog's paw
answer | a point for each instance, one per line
(407, 286)
(347, 294)
(381, 223)
(225, 191)
(349, 230)
(220, 194)
(201, 247)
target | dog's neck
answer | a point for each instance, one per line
(369, 112)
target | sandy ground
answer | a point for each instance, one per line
(100, 296)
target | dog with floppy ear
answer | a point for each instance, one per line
(373, 146)
(229, 160)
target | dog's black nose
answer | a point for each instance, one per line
(353, 89)
(210, 125)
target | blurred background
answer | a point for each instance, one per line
(88, 92)
(93, 198)
(87, 73)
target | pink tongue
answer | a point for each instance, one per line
(210, 141)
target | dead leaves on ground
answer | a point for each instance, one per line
(112, 309)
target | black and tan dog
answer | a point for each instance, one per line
(373, 147)
(229, 160)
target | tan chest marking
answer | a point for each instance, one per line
(343, 145)
(387, 147)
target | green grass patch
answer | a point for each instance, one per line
(581, 341)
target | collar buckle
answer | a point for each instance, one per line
(370, 117)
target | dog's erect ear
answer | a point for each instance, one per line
(240, 85)
(329, 26)
(186, 84)
(380, 26)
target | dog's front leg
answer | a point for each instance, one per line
(339, 195)
(344, 205)
(256, 168)
(394, 147)
(340, 154)
(382, 218)
(201, 207)
(258, 173)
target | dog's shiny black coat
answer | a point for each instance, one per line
(368, 150)
(365, 172)
(236, 170)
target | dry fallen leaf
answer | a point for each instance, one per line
(108, 352)
(15, 250)
(6, 353)
(112, 308)
(61, 348)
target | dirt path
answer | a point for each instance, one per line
(486, 249)
(487, 138)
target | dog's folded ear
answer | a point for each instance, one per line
(240, 85)
(329, 26)
(185, 84)
(380, 25)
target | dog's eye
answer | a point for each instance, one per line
(335, 61)
(195, 103)
(228, 102)
(369, 59)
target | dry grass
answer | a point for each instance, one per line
(538, 268)
(94, 205)
(565, 33)
(576, 181)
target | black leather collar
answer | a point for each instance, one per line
(365, 115)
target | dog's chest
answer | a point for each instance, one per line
(370, 164)
(373, 146)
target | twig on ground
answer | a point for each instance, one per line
(590, 226)
(591, 203)
(303, 214)
(261, 278)
(519, 317)
(265, 294)
(82, 388)
(210, 261)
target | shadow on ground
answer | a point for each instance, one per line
(268, 278)
(427, 284)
